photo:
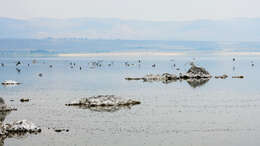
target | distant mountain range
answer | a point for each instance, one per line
(241, 29)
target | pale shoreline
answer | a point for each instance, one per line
(138, 54)
(239, 53)
(120, 54)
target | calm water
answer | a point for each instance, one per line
(219, 112)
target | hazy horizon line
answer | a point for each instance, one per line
(129, 19)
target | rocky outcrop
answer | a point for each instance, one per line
(195, 72)
(17, 129)
(103, 101)
(22, 126)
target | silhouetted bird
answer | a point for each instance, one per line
(18, 63)
(2, 64)
(40, 74)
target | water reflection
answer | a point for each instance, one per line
(197, 82)
(105, 108)
(192, 82)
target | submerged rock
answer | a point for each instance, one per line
(103, 100)
(10, 82)
(240, 77)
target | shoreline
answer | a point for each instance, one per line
(120, 54)
(142, 54)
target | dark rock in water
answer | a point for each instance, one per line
(61, 130)
(24, 99)
(196, 72)
(240, 77)
(58, 130)
(133, 78)
(17, 129)
(104, 101)
(221, 77)
(40, 74)
(197, 82)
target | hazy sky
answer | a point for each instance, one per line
(131, 9)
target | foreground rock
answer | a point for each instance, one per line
(22, 126)
(104, 101)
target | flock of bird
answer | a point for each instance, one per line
(99, 63)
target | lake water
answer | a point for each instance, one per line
(219, 112)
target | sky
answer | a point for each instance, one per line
(155, 10)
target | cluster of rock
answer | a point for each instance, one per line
(103, 102)
(194, 72)
(195, 76)
(15, 128)
(19, 127)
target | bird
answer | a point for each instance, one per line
(18, 63)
